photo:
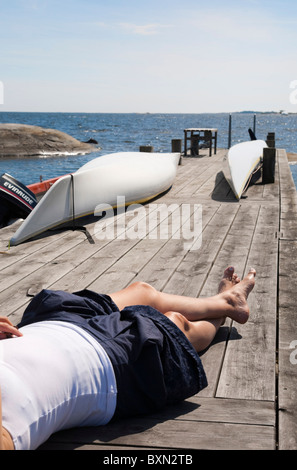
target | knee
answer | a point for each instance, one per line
(144, 291)
(180, 321)
(142, 286)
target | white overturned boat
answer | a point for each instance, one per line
(134, 176)
(242, 160)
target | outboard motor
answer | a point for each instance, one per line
(16, 200)
(252, 135)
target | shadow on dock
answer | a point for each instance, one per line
(222, 191)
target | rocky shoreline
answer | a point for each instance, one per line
(22, 140)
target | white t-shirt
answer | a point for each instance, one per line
(55, 377)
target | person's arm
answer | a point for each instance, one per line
(6, 442)
(1, 434)
(5, 439)
(7, 329)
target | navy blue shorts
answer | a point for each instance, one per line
(153, 361)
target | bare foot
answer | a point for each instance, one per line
(236, 298)
(230, 278)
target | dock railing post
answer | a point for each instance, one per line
(269, 154)
(270, 140)
(176, 146)
(195, 144)
(185, 142)
(230, 131)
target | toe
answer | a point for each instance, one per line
(252, 273)
(228, 273)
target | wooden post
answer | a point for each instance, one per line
(176, 146)
(255, 120)
(146, 148)
(268, 165)
(185, 142)
(230, 131)
(194, 144)
(208, 141)
(270, 140)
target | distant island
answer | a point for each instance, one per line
(21, 140)
(264, 112)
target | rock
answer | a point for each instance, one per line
(21, 140)
(91, 141)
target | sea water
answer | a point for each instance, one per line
(126, 132)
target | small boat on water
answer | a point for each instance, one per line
(241, 162)
(134, 176)
(16, 199)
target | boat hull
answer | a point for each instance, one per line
(135, 177)
(241, 161)
(39, 189)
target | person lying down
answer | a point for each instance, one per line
(84, 359)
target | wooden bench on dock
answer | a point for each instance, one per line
(200, 137)
(250, 402)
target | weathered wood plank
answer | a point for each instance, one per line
(272, 191)
(191, 273)
(287, 400)
(164, 264)
(249, 366)
(198, 181)
(186, 176)
(9, 256)
(199, 408)
(245, 415)
(21, 268)
(287, 353)
(144, 250)
(288, 196)
(172, 434)
(234, 252)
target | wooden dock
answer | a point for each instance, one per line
(251, 399)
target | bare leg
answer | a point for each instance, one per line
(198, 319)
(230, 302)
(202, 332)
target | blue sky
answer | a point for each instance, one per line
(187, 56)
